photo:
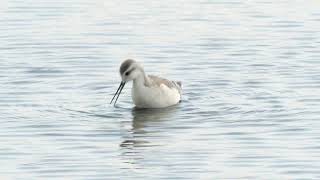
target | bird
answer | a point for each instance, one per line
(148, 91)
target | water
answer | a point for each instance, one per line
(250, 73)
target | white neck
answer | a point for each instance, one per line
(142, 79)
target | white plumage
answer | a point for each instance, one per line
(148, 91)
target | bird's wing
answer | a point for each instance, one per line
(157, 81)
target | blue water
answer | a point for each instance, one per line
(250, 73)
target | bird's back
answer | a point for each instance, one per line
(157, 81)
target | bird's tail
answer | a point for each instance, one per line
(179, 83)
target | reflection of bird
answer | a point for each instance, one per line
(146, 123)
(144, 117)
(148, 91)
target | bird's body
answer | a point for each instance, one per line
(155, 92)
(149, 91)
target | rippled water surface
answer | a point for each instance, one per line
(250, 73)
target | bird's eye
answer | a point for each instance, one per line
(128, 72)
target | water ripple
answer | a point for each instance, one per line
(250, 73)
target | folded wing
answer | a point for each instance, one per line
(157, 81)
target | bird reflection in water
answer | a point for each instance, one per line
(145, 131)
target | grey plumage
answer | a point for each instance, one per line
(157, 81)
(125, 65)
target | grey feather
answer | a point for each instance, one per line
(157, 81)
(125, 65)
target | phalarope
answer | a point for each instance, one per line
(148, 91)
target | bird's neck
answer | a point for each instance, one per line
(142, 79)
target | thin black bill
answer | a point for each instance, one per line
(121, 86)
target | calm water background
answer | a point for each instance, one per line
(251, 77)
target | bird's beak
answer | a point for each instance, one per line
(118, 90)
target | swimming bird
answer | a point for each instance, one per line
(148, 91)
